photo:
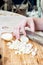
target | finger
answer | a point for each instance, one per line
(16, 33)
(23, 30)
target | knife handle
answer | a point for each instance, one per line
(35, 37)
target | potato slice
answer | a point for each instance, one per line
(7, 36)
(24, 39)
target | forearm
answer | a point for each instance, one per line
(38, 23)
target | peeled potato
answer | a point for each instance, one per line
(7, 36)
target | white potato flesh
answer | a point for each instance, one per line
(7, 36)
(14, 44)
(34, 52)
(29, 46)
(11, 47)
(22, 47)
(24, 39)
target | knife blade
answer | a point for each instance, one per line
(35, 37)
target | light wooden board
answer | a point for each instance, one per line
(10, 58)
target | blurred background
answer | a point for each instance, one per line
(18, 6)
(23, 7)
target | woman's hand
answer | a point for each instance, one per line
(21, 27)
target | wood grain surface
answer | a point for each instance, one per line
(10, 58)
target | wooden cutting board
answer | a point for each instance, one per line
(10, 58)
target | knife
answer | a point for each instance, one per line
(35, 37)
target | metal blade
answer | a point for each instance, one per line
(35, 37)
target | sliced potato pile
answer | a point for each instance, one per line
(22, 46)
